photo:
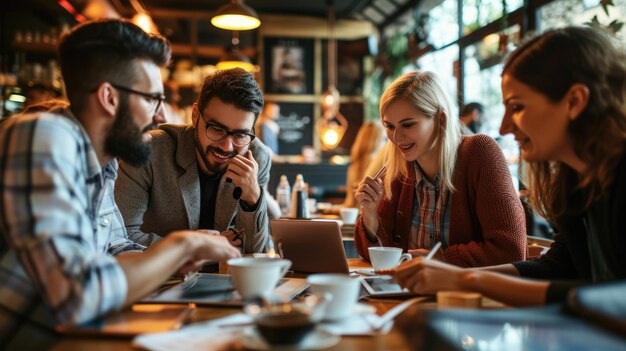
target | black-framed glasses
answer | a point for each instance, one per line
(216, 132)
(155, 99)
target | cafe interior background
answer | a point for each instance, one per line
(300, 50)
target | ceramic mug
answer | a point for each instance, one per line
(253, 277)
(349, 215)
(387, 257)
(343, 291)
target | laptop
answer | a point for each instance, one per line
(312, 246)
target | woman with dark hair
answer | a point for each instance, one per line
(565, 102)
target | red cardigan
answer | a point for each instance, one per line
(487, 223)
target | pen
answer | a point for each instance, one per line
(433, 251)
(380, 171)
(392, 271)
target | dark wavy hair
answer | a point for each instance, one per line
(550, 64)
(235, 87)
(106, 51)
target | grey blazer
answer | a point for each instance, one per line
(164, 195)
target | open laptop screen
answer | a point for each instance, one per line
(311, 246)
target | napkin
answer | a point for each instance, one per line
(205, 336)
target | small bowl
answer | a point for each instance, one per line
(284, 328)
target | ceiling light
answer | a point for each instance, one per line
(236, 16)
(332, 126)
(142, 19)
(234, 58)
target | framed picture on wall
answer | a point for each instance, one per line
(288, 66)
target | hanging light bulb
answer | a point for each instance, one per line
(234, 58)
(236, 16)
(142, 19)
(332, 126)
(145, 22)
(99, 9)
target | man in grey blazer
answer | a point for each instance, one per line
(208, 175)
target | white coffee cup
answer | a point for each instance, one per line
(254, 277)
(344, 292)
(349, 215)
(387, 257)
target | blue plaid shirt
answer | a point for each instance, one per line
(60, 228)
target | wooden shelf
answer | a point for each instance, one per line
(208, 51)
(38, 48)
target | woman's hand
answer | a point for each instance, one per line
(424, 252)
(429, 276)
(368, 194)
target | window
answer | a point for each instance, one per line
(444, 27)
(561, 13)
(477, 13)
(442, 63)
(483, 67)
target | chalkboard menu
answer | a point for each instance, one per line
(296, 127)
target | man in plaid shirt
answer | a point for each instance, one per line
(64, 254)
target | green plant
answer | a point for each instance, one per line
(613, 27)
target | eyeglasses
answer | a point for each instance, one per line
(155, 99)
(215, 132)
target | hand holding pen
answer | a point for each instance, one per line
(424, 275)
(434, 250)
(368, 194)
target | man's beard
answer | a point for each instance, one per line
(125, 138)
(218, 168)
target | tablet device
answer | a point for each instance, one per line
(206, 289)
(312, 246)
(385, 286)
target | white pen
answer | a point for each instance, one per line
(433, 251)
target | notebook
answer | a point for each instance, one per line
(311, 246)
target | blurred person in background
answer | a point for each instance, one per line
(267, 128)
(471, 118)
(367, 144)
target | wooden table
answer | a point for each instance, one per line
(392, 341)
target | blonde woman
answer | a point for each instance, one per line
(438, 185)
(368, 141)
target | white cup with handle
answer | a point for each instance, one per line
(387, 257)
(254, 277)
(343, 290)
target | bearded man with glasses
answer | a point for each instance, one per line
(65, 258)
(210, 174)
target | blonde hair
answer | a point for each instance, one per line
(425, 92)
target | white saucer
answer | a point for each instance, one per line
(359, 309)
(318, 339)
(363, 308)
(365, 271)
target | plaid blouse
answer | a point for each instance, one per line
(431, 219)
(60, 228)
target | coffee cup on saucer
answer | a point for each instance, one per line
(256, 277)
